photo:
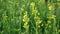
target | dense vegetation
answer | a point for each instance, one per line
(29, 17)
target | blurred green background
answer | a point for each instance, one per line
(29, 16)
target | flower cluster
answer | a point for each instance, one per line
(25, 20)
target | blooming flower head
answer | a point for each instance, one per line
(37, 19)
(25, 17)
(26, 26)
(34, 12)
(52, 16)
(32, 4)
(50, 7)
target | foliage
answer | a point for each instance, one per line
(29, 17)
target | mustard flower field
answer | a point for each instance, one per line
(29, 16)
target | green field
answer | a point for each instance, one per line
(29, 16)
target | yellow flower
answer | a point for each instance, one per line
(53, 16)
(32, 4)
(37, 19)
(50, 7)
(34, 12)
(26, 26)
(25, 17)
